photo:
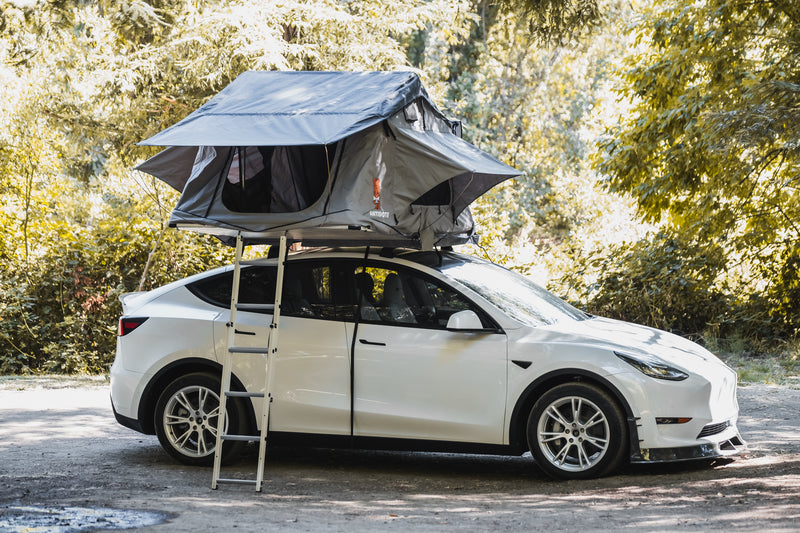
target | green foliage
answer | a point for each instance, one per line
(82, 83)
(533, 108)
(711, 146)
(663, 280)
(756, 362)
(60, 305)
(557, 21)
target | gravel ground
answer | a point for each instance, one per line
(66, 465)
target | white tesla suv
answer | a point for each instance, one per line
(437, 351)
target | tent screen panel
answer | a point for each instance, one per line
(283, 179)
(439, 195)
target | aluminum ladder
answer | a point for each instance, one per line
(269, 353)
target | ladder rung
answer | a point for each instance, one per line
(240, 349)
(242, 438)
(237, 481)
(255, 307)
(257, 261)
(240, 394)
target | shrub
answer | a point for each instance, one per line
(663, 281)
(59, 313)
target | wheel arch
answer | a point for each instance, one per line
(169, 373)
(519, 416)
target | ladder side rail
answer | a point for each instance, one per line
(272, 349)
(227, 361)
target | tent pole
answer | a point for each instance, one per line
(272, 350)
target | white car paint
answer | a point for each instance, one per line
(311, 391)
(427, 384)
(440, 385)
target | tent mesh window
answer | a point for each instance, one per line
(283, 179)
(439, 195)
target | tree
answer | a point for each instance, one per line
(81, 83)
(557, 21)
(712, 145)
(536, 108)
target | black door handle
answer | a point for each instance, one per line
(240, 332)
(364, 341)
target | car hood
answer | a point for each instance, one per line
(633, 339)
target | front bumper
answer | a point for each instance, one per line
(725, 444)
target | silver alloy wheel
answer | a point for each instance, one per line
(573, 434)
(190, 420)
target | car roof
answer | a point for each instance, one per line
(433, 259)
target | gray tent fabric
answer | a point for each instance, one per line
(295, 108)
(326, 158)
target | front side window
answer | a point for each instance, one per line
(309, 292)
(403, 297)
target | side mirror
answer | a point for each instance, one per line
(465, 321)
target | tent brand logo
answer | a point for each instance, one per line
(376, 193)
(380, 214)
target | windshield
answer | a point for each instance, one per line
(512, 293)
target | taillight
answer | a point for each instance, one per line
(126, 325)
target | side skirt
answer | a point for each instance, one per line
(309, 440)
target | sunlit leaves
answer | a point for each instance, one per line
(712, 144)
(557, 21)
(537, 109)
(81, 84)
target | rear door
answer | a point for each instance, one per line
(311, 380)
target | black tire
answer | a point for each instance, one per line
(577, 431)
(189, 435)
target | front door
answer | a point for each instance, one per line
(414, 379)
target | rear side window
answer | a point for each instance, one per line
(256, 286)
(309, 290)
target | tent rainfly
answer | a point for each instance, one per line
(325, 158)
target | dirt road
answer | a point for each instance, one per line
(65, 465)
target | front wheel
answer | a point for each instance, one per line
(577, 431)
(186, 417)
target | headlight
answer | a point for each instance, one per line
(653, 366)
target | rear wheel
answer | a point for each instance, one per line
(186, 418)
(577, 431)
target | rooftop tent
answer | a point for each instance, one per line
(325, 158)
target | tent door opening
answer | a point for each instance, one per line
(275, 179)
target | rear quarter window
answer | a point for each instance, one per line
(256, 286)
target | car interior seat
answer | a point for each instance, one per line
(394, 301)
